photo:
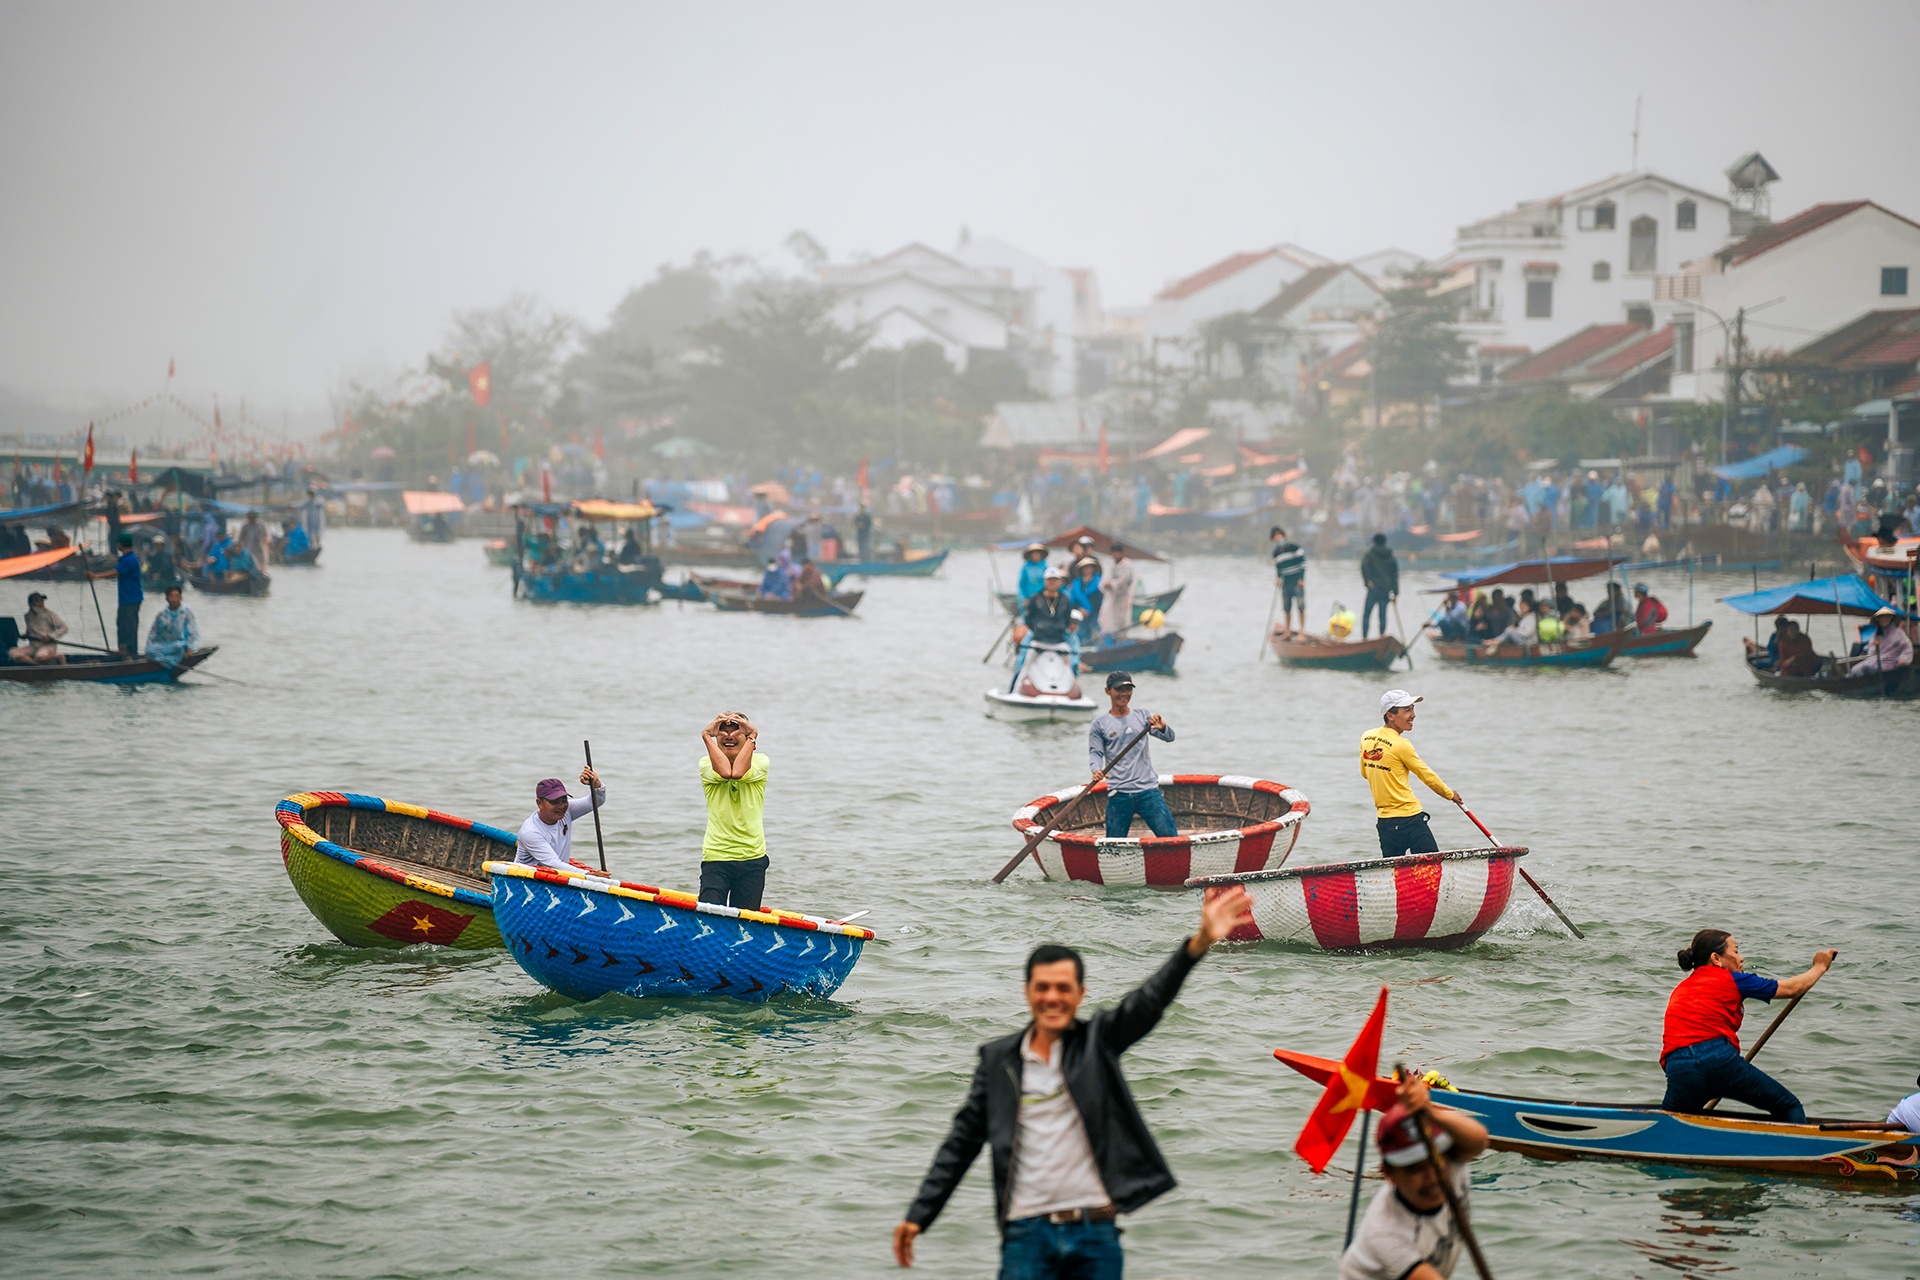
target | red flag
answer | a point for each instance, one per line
(599, 445)
(416, 921)
(1103, 448)
(1353, 1090)
(133, 467)
(861, 478)
(546, 484)
(169, 367)
(480, 382)
(86, 465)
(471, 446)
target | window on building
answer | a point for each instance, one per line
(1643, 244)
(1683, 346)
(1603, 271)
(1540, 299)
(1893, 281)
(1597, 217)
(1685, 215)
(1640, 313)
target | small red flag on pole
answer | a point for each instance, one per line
(861, 478)
(133, 467)
(86, 465)
(169, 368)
(480, 382)
(1353, 1090)
(546, 484)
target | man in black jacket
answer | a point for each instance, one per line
(1381, 574)
(1070, 1150)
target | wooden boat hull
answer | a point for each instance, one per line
(1861, 1150)
(102, 669)
(378, 873)
(255, 584)
(842, 604)
(1679, 642)
(1598, 652)
(1437, 901)
(1226, 823)
(1157, 654)
(1161, 600)
(587, 937)
(310, 556)
(924, 567)
(624, 586)
(499, 552)
(1322, 653)
(1898, 684)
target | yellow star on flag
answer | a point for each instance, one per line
(1357, 1086)
(423, 924)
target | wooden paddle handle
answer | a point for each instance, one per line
(1065, 809)
(1446, 1188)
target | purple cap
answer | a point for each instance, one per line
(551, 789)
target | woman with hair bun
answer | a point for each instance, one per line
(1700, 1050)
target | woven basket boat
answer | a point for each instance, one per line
(378, 873)
(1226, 823)
(1438, 901)
(587, 936)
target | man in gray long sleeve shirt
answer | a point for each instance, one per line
(1133, 786)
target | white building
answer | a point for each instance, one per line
(1547, 269)
(918, 294)
(1388, 267)
(1056, 311)
(1237, 283)
(1809, 274)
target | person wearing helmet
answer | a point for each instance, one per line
(1409, 1232)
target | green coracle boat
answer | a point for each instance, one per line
(378, 873)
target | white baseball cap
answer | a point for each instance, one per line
(1394, 699)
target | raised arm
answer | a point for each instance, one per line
(1799, 982)
(1138, 1012)
(1469, 1135)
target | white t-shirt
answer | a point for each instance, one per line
(1394, 1238)
(551, 846)
(1906, 1113)
(1053, 1168)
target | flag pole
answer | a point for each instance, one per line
(1359, 1171)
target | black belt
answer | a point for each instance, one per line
(1101, 1213)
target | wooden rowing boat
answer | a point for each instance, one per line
(378, 873)
(1161, 600)
(102, 668)
(923, 567)
(1324, 653)
(1862, 1150)
(604, 584)
(499, 551)
(1679, 642)
(835, 604)
(310, 556)
(589, 936)
(1154, 654)
(1597, 652)
(1224, 823)
(250, 584)
(1871, 684)
(1436, 901)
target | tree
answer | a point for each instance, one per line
(1416, 350)
(632, 367)
(761, 380)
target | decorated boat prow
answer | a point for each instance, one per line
(1548, 1130)
(1224, 823)
(1438, 901)
(587, 936)
(378, 873)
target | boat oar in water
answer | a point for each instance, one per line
(995, 647)
(1406, 650)
(593, 798)
(1531, 882)
(1065, 809)
(1774, 1026)
(1446, 1184)
(1273, 603)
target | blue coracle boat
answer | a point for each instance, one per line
(1545, 1130)
(587, 937)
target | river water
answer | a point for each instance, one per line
(199, 1080)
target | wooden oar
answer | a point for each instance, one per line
(1446, 1186)
(1266, 637)
(1065, 809)
(1774, 1026)
(1531, 882)
(593, 798)
(995, 646)
(1406, 651)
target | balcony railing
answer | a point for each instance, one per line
(1675, 287)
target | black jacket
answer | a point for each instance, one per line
(1130, 1164)
(1049, 621)
(1380, 571)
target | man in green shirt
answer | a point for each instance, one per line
(733, 857)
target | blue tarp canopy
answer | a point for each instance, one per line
(1848, 594)
(53, 513)
(1753, 468)
(1526, 572)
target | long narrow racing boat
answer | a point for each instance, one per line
(1439, 901)
(378, 873)
(587, 936)
(1223, 823)
(1549, 1130)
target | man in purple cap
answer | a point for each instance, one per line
(546, 837)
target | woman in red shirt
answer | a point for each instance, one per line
(1700, 1050)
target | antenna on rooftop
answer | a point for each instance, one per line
(1747, 180)
(1635, 166)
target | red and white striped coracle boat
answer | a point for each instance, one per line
(1227, 823)
(1435, 900)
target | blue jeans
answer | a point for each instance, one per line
(1375, 600)
(1035, 1249)
(1699, 1073)
(1149, 806)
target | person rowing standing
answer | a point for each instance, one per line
(1700, 1043)
(1386, 758)
(545, 839)
(1133, 788)
(1409, 1232)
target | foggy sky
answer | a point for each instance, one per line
(282, 197)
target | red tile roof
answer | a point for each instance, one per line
(1593, 341)
(1772, 237)
(1299, 291)
(1633, 355)
(1214, 274)
(1901, 348)
(1497, 349)
(1841, 347)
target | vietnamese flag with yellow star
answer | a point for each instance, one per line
(416, 921)
(1351, 1089)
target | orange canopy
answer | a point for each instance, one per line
(17, 565)
(427, 502)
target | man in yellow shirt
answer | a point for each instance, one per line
(1386, 758)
